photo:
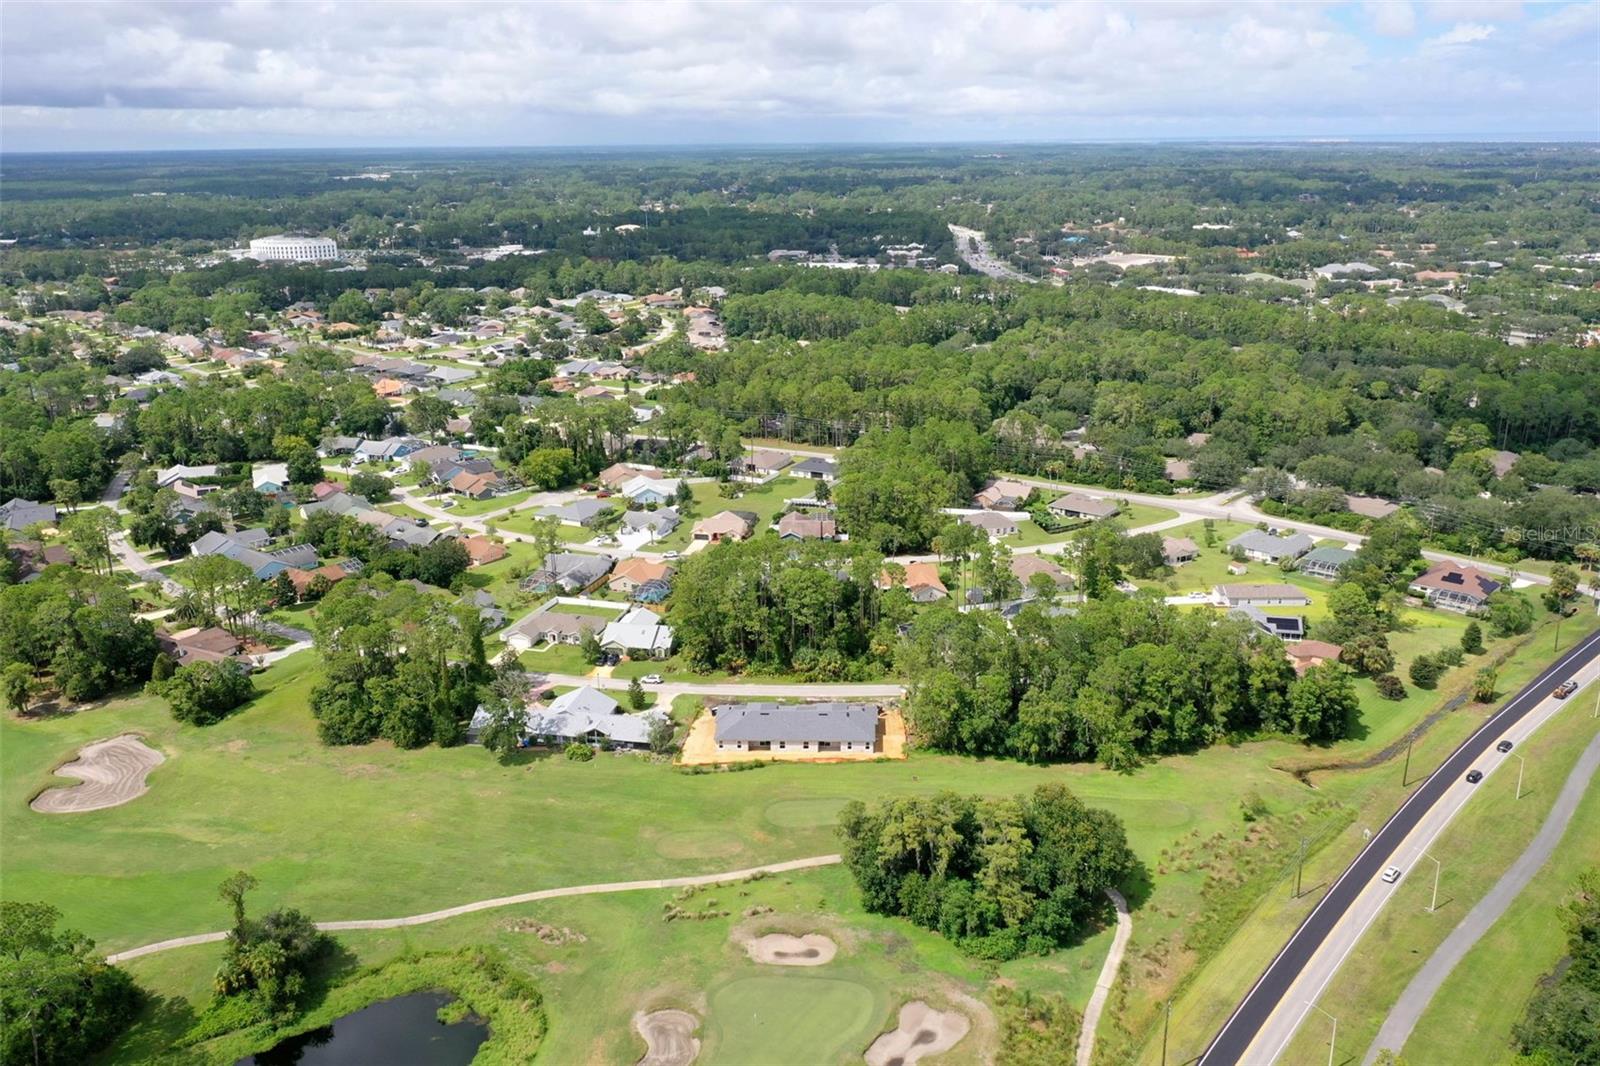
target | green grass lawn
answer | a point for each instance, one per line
(403, 511)
(525, 520)
(468, 507)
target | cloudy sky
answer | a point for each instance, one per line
(131, 75)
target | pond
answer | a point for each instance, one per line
(398, 1031)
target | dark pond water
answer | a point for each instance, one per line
(404, 1031)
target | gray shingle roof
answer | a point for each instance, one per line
(857, 722)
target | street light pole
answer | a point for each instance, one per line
(1522, 764)
(1437, 866)
(1333, 1037)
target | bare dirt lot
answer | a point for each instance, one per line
(669, 1035)
(781, 949)
(111, 772)
(922, 1031)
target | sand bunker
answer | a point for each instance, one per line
(922, 1031)
(781, 949)
(669, 1034)
(111, 773)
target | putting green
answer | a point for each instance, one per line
(784, 1019)
(804, 813)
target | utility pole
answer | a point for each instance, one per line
(1405, 775)
(1165, 1025)
(1333, 1037)
(1300, 868)
(1522, 764)
(1437, 866)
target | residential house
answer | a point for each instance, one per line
(725, 525)
(1175, 551)
(583, 512)
(210, 645)
(816, 469)
(618, 474)
(631, 573)
(270, 479)
(588, 716)
(451, 375)
(1177, 470)
(1002, 495)
(1503, 461)
(553, 626)
(762, 463)
(18, 514)
(568, 571)
(1260, 595)
(1289, 628)
(798, 526)
(995, 524)
(481, 550)
(1455, 588)
(475, 486)
(817, 728)
(1264, 547)
(660, 522)
(1326, 562)
(174, 474)
(1077, 505)
(922, 581)
(638, 634)
(1026, 567)
(1305, 654)
(645, 490)
(304, 579)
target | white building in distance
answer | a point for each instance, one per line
(286, 247)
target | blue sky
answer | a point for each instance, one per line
(262, 74)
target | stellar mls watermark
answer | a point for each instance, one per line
(1570, 534)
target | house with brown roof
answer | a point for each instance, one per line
(1026, 567)
(482, 550)
(635, 571)
(995, 524)
(797, 526)
(303, 579)
(1455, 588)
(475, 486)
(552, 627)
(725, 525)
(210, 645)
(618, 474)
(764, 462)
(1370, 506)
(1178, 470)
(1002, 495)
(923, 582)
(1305, 654)
(1175, 551)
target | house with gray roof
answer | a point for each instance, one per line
(662, 521)
(583, 716)
(19, 514)
(818, 728)
(816, 469)
(568, 572)
(1264, 547)
(585, 512)
(553, 626)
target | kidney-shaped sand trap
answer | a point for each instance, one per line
(781, 949)
(922, 1031)
(110, 773)
(669, 1035)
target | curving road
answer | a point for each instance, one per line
(1408, 1009)
(504, 901)
(1263, 1023)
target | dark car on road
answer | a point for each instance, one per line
(1503, 747)
(1474, 776)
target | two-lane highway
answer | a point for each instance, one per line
(1255, 1033)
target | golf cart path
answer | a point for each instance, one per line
(504, 901)
(1408, 1009)
(1108, 976)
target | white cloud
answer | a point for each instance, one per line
(632, 71)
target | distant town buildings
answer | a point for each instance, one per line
(284, 247)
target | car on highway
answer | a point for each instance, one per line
(1474, 776)
(651, 679)
(1565, 689)
(1503, 747)
(1391, 875)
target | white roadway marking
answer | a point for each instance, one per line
(1281, 1026)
